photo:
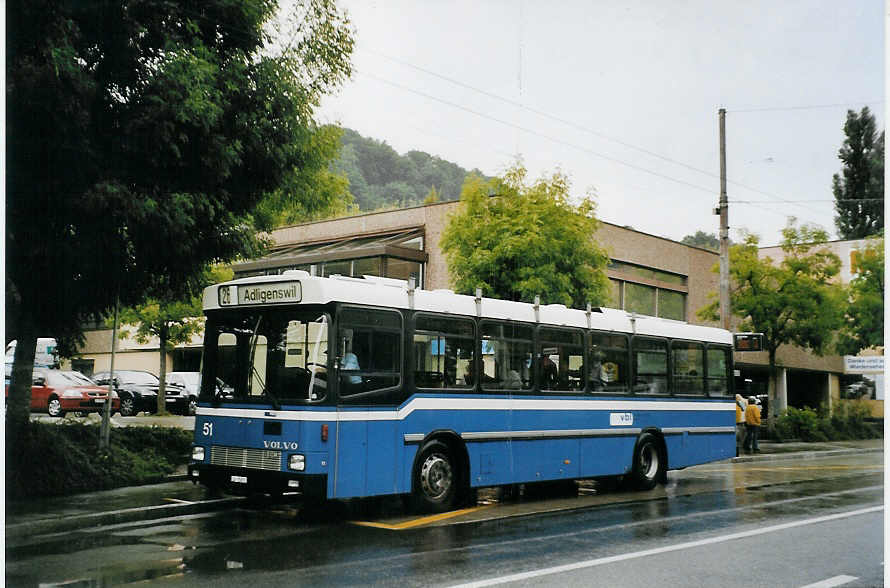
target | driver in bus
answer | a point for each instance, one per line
(350, 362)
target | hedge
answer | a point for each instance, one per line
(60, 459)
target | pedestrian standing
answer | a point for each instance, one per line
(752, 426)
(740, 405)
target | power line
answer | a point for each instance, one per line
(807, 107)
(536, 133)
(580, 127)
(791, 201)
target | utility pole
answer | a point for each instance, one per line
(105, 428)
(723, 211)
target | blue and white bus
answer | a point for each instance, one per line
(346, 387)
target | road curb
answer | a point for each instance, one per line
(127, 515)
(805, 455)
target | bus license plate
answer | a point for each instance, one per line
(239, 479)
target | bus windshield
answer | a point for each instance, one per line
(266, 356)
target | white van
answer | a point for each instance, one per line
(46, 354)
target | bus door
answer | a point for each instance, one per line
(507, 372)
(369, 357)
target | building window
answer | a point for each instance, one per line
(671, 305)
(397, 255)
(639, 298)
(657, 293)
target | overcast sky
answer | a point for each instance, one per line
(623, 97)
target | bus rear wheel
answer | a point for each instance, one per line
(649, 463)
(437, 479)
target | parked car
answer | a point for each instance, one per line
(191, 381)
(138, 392)
(57, 392)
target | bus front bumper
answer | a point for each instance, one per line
(243, 481)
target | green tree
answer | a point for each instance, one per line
(859, 188)
(324, 189)
(517, 240)
(864, 320)
(172, 321)
(140, 138)
(792, 301)
(703, 240)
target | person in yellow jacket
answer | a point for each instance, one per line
(752, 425)
(740, 405)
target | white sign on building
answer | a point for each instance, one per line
(855, 364)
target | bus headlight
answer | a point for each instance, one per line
(296, 462)
(197, 453)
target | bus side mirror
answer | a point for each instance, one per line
(747, 341)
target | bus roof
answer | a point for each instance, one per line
(299, 287)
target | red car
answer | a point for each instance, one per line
(58, 391)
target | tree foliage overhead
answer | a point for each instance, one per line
(791, 301)
(517, 240)
(864, 320)
(381, 178)
(141, 136)
(859, 188)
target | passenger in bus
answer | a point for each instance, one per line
(513, 381)
(549, 373)
(350, 362)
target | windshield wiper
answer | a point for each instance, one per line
(324, 323)
(254, 373)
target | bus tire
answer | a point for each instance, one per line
(437, 478)
(649, 463)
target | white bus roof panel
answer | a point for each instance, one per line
(389, 293)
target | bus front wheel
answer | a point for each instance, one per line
(437, 479)
(649, 463)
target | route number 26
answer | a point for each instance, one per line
(207, 429)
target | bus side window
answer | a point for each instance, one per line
(719, 360)
(561, 359)
(650, 366)
(370, 350)
(688, 367)
(609, 363)
(506, 356)
(443, 352)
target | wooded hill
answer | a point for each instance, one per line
(381, 178)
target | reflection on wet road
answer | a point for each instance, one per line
(374, 542)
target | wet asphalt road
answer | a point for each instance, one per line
(779, 523)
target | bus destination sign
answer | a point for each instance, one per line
(274, 293)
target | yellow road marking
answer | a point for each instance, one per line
(421, 521)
